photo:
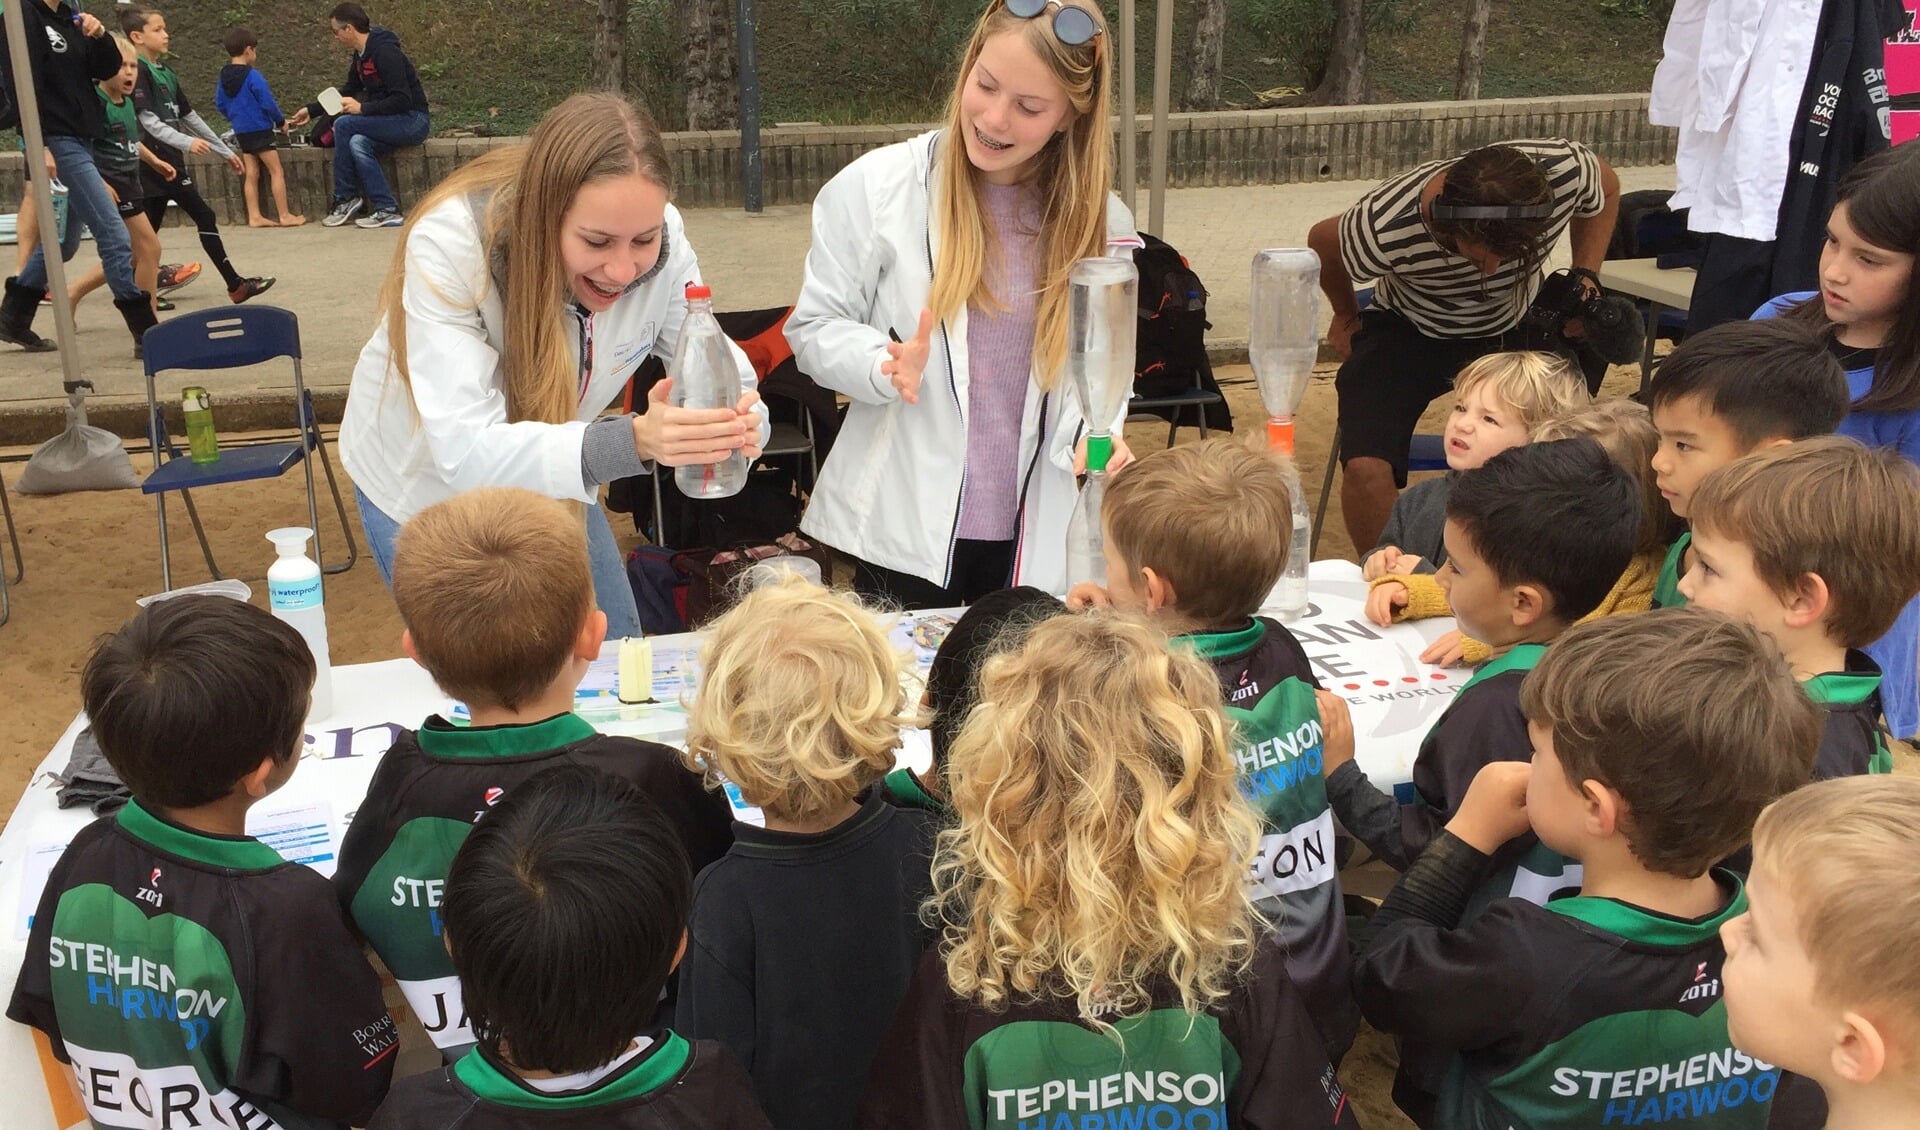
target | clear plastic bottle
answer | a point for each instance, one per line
(1086, 539)
(1284, 340)
(704, 376)
(1293, 602)
(296, 595)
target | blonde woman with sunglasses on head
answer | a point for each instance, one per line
(936, 300)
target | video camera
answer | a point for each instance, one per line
(1612, 323)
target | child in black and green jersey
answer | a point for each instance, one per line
(1196, 537)
(1536, 537)
(181, 968)
(993, 624)
(173, 129)
(1102, 964)
(1817, 544)
(1728, 392)
(566, 912)
(497, 597)
(119, 154)
(1657, 740)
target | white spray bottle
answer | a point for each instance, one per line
(295, 594)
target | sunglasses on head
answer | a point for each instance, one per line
(1071, 26)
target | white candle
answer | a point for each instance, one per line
(636, 669)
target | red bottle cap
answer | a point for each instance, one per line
(695, 290)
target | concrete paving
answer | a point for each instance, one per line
(330, 277)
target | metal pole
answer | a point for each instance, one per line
(42, 191)
(1128, 103)
(1157, 151)
(750, 171)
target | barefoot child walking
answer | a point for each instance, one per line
(244, 98)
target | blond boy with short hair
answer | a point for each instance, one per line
(1820, 976)
(497, 597)
(1816, 544)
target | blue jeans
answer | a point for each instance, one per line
(611, 590)
(358, 141)
(89, 203)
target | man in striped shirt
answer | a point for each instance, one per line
(1456, 251)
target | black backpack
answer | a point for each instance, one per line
(1171, 348)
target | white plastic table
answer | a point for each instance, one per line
(1393, 695)
(1663, 290)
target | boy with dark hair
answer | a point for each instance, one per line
(993, 624)
(1730, 391)
(67, 52)
(198, 703)
(385, 108)
(1816, 544)
(1535, 539)
(497, 597)
(173, 129)
(566, 913)
(1196, 537)
(1657, 739)
(244, 98)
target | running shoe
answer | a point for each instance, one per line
(250, 288)
(384, 218)
(343, 210)
(173, 276)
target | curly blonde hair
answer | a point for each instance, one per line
(800, 701)
(1102, 844)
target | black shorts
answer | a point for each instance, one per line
(256, 141)
(133, 199)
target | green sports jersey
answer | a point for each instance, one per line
(200, 980)
(118, 153)
(423, 801)
(902, 789)
(1252, 1060)
(1268, 685)
(1666, 590)
(1852, 741)
(1585, 1013)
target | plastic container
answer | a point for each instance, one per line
(197, 408)
(1294, 603)
(704, 376)
(1283, 339)
(297, 596)
(1086, 538)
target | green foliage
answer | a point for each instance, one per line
(1301, 31)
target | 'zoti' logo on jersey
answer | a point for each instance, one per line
(150, 893)
(153, 880)
(1700, 973)
(493, 795)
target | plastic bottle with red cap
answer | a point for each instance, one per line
(704, 376)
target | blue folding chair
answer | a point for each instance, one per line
(232, 338)
(19, 564)
(1427, 452)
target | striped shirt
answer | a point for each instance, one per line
(1385, 239)
(1000, 366)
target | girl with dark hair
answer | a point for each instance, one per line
(1869, 308)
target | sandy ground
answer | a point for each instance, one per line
(89, 555)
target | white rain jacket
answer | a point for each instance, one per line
(459, 438)
(890, 490)
(1731, 78)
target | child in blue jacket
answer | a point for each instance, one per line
(244, 98)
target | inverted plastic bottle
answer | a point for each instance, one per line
(704, 376)
(1283, 343)
(1103, 300)
(295, 594)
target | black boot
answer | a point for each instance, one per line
(16, 318)
(140, 318)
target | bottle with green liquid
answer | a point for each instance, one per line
(197, 407)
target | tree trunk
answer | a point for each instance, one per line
(1473, 49)
(1204, 60)
(610, 45)
(1345, 83)
(706, 38)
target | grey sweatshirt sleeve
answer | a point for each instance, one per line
(607, 452)
(152, 126)
(200, 127)
(1418, 520)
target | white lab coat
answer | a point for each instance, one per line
(890, 490)
(1731, 79)
(452, 435)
